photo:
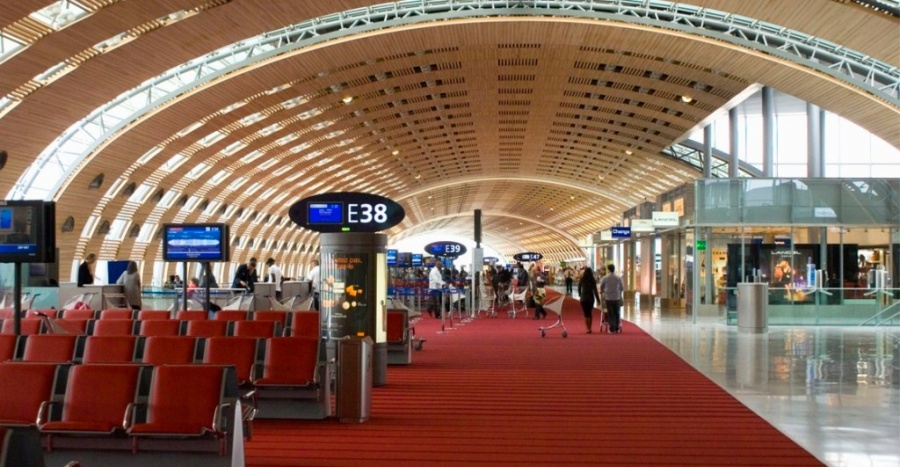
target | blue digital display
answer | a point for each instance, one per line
(23, 249)
(326, 213)
(404, 259)
(416, 259)
(196, 242)
(391, 257)
(6, 220)
(621, 232)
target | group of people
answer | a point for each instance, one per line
(610, 288)
(245, 277)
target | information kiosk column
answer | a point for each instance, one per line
(353, 291)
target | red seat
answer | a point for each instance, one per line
(237, 351)
(158, 327)
(25, 386)
(272, 315)
(68, 326)
(169, 350)
(192, 315)
(290, 361)
(396, 327)
(117, 314)
(29, 326)
(7, 313)
(78, 314)
(114, 327)
(207, 328)
(50, 348)
(306, 324)
(231, 315)
(96, 401)
(8, 347)
(261, 329)
(153, 315)
(109, 349)
(173, 410)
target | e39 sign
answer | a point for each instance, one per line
(346, 212)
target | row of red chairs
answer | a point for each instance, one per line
(119, 402)
(307, 325)
(285, 317)
(96, 398)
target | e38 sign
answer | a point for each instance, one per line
(346, 212)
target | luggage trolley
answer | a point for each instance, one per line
(555, 305)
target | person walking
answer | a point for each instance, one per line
(539, 295)
(130, 280)
(435, 286)
(85, 270)
(274, 275)
(587, 292)
(313, 278)
(568, 274)
(611, 288)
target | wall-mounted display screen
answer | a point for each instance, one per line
(404, 259)
(416, 259)
(195, 242)
(326, 213)
(391, 257)
(27, 232)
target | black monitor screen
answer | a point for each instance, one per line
(195, 242)
(326, 213)
(27, 232)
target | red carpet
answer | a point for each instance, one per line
(494, 392)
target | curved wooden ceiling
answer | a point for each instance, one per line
(553, 127)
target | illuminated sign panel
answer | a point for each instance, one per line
(445, 249)
(346, 212)
(527, 256)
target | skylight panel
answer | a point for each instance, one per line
(271, 129)
(282, 171)
(269, 163)
(252, 156)
(191, 202)
(219, 176)
(268, 193)
(114, 188)
(59, 14)
(291, 103)
(149, 155)
(252, 118)
(211, 139)
(253, 188)
(173, 163)
(197, 171)
(9, 45)
(168, 199)
(281, 197)
(231, 107)
(234, 147)
(146, 233)
(189, 128)
(236, 183)
(140, 194)
(117, 229)
(286, 139)
(211, 207)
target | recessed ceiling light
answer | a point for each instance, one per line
(629, 152)
(418, 176)
(395, 152)
(429, 196)
(686, 98)
(347, 99)
(571, 197)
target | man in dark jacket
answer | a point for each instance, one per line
(245, 276)
(85, 275)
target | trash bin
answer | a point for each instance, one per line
(753, 306)
(353, 400)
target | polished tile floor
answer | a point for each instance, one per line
(834, 390)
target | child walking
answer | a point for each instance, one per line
(539, 294)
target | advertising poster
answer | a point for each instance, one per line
(344, 295)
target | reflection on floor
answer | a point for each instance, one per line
(834, 390)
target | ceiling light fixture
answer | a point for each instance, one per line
(349, 99)
(395, 152)
(418, 176)
(686, 98)
(629, 152)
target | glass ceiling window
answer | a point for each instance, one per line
(60, 14)
(103, 123)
